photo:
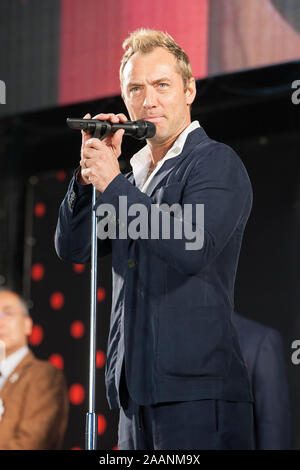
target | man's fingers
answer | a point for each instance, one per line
(84, 163)
(122, 117)
(86, 135)
(116, 140)
(87, 116)
(117, 137)
(111, 117)
(107, 117)
(89, 154)
(94, 143)
(86, 173)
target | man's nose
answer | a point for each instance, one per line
(149, 99)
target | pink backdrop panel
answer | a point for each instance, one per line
(92, 33)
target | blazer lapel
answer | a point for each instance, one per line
(162, 173)
(192, 139)
(130, 178)
(16, 374)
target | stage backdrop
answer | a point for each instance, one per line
(64, 51)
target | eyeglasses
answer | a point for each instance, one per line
(8, 314)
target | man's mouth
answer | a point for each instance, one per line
(153, 118)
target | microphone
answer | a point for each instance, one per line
(138, 129)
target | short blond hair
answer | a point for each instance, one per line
(22, 301)
(145, 40)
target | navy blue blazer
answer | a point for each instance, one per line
(262, 350)
(171, 307)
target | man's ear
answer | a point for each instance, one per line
(28, 325)
(190, 92)
(123, 98)
(122, 93)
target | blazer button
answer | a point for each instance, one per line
(131, 263)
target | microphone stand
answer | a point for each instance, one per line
(91, 424)
(100, 130)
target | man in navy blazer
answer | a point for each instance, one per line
(262, 350)
(174, 365)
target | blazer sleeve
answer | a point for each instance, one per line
(45, 412)
(272, 405)
(220, 182)
(73, 230)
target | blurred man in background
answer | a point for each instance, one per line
(262, 350)
(33, 394)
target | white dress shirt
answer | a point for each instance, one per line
(141, 160)
(10, 363)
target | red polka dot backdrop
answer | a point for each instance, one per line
(100, 294)
(57, 300)
(76, 394)
(57, 360)
(37, 272)
(101, 424)
(61, 175)
(39, 209)
(100, 359)
(59, 293)
(37, 335)
(77, 329)
(79, 268)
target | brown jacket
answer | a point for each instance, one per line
(36, 406)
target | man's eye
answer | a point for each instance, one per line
(8, 313)
(134, 89)
(162, 85)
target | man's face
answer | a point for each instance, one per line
(15, 326)
(153, 90)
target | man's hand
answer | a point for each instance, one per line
(99, 159)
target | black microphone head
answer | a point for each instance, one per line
(78, 124)
(146, 130)
(72, 123)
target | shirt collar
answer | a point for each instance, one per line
(10, 362)
(140, 161)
